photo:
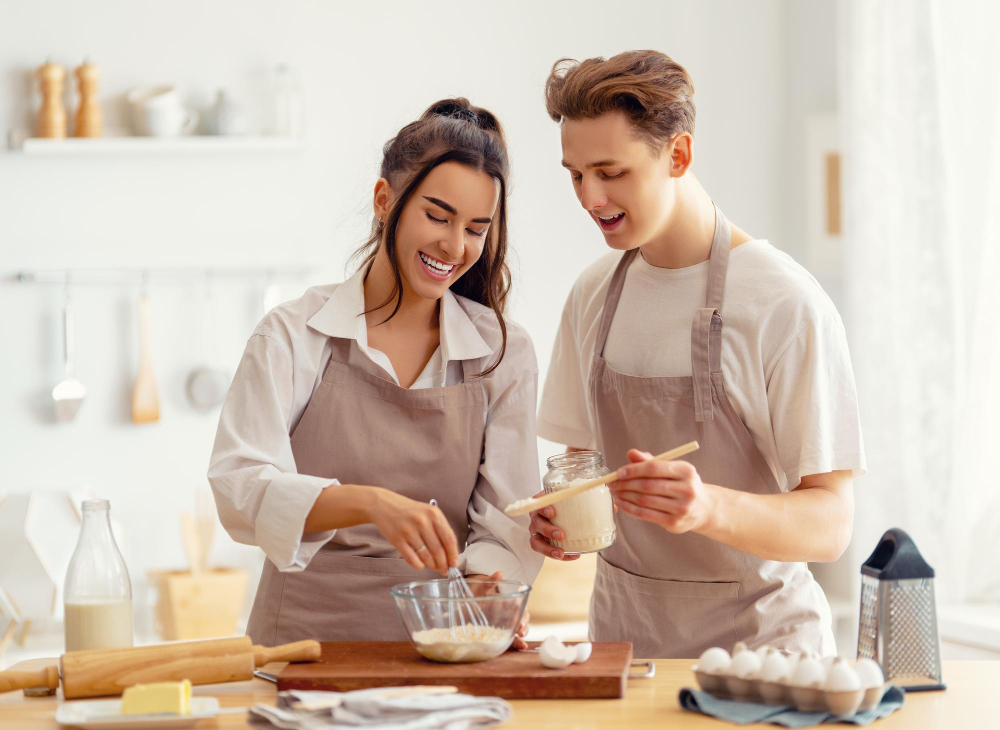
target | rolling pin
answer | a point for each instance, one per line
(106, 672)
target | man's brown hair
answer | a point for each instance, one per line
(652, 90)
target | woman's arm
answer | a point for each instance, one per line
(406, 523)
(263, 501)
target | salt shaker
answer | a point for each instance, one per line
(88, 115)
(51, 121)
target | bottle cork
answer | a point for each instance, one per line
(88, 115)
(51, 120)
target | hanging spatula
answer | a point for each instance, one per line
(70, 392)
(145, 399)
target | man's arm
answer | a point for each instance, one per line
(813, 522)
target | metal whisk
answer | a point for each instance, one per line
(462, 612)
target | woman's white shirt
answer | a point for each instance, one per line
(261, 498)
(784, 355)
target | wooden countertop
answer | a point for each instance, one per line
(972, 700)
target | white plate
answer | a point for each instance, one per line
(106, 714)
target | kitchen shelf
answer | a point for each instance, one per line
(138, 146)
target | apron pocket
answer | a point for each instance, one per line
(344, 598)
(663, 618)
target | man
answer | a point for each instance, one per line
(691, 329)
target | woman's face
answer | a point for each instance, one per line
(622, 185)
(443, 227)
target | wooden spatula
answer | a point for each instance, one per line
(145, 400)
(524, 506)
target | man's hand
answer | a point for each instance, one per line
(667, 493)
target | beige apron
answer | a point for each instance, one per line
(676, 595)
(362, 429)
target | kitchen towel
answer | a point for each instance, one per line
(382, 709)
(745, 713)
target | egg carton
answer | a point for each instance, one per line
(774, 677)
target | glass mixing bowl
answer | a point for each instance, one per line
(445, 628)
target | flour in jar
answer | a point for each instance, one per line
(587, 519)
(468, 644)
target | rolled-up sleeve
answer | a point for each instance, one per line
(260, 497)
(509, 472)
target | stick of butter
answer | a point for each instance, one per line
(158, 697)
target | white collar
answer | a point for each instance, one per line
(341, 317)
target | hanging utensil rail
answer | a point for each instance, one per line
(137, 276)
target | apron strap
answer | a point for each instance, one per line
(706, 358)
(611, 300)
(706, 329)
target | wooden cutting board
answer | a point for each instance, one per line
(350, 665)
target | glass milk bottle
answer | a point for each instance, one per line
(98, 594)
(588, 519)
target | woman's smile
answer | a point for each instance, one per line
(436, 268)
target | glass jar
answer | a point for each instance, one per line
(588, 519)
(98, 594)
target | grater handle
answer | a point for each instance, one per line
(896, 558)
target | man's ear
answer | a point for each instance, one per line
(681, 151)
(383, 196)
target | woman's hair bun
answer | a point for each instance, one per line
(461, 108)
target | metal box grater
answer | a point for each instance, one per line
(898, 623)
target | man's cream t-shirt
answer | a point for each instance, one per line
(784, 355)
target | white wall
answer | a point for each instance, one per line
(368, 69)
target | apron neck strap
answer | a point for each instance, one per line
(718, 261)
(706, 329)
(611, 300)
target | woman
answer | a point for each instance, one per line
(360, 402)
(689, 329)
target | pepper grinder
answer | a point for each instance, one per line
(88, 116)
(51, 121)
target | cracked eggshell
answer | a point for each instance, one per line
(714, 661)
(583, 652)
(556, 655)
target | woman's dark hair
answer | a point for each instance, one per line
(451, 130)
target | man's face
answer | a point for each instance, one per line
(619, 181)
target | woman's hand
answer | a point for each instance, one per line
(418, 530)
(480, 589)
(541, 527)
(668, 493)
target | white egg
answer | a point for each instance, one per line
(828, 662)
(556, 655)
(714, 660)
(761, 652)
(869, 672)
(808, 673)
(842, 678)
(744, 664)
(739, 646)
(775, 668)
(583, 652)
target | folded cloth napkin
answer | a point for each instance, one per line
(745, 713)
(388, 708)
